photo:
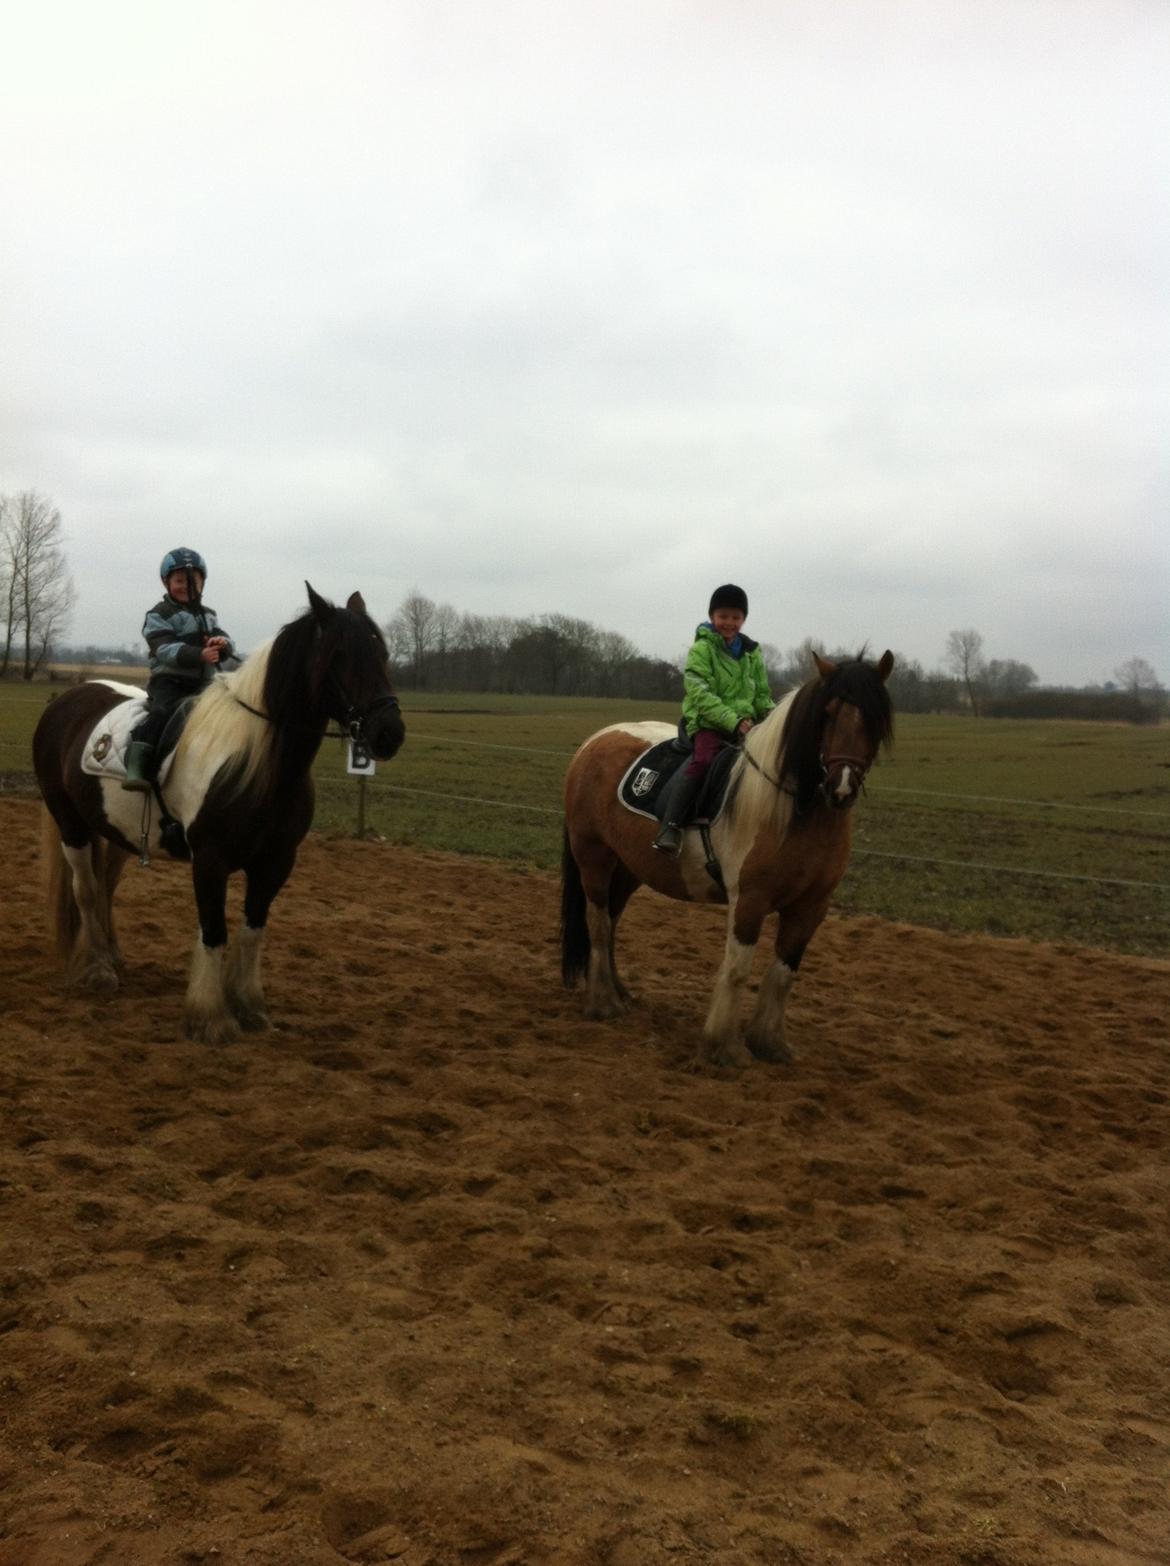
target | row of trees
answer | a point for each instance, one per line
(1003, 688)
(437, 647)
(36, 590)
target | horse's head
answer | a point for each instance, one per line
(854, 721)
(352, 675)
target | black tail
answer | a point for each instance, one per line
(574, 928)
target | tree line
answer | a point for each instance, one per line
(437, 647)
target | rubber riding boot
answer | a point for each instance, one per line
(139, 777)
(680, 796)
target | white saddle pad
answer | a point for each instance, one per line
(104, 755)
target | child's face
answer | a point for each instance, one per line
(177, 585)
(728, 622)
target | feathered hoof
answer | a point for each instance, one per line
(95, 978)
(726, 1052)
(774, 1051)
(205, 1028)
(605, 1010)
(253, 1019)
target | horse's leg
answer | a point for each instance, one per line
(245, 993)
(622, 887)
(765, 1034)
(206, 1017)
(115, 860)
(91, 962)
(721, 1034)
(598, 864)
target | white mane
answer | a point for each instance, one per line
(756, 798)
(222, 730)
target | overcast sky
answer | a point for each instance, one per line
(589, 307)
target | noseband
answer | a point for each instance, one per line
(352, 724)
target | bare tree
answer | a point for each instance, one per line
(38, 590)
(413, 631)
(1136, 675)
(1139, 679)
(964, 658)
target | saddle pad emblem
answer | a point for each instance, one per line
(102, 749)
(643, 781)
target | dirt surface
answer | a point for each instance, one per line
(437, 1273)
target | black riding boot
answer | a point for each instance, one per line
(680, 796)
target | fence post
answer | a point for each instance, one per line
(361, 820)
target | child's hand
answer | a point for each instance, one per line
(210, 654)
(744, 725)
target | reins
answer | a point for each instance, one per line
(353, 723)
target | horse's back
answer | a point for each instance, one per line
(68, 719)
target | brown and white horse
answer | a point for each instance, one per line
(782, 840)
(240, 785)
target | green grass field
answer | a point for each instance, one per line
(1056, 831)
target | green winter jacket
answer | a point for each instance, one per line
(720, 691)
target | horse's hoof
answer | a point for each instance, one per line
(94, 979)
(604, 1011)
(771, 1050)
(211, 1030)
(727, 1053)
(252, 1020)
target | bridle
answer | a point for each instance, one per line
(826, 764)
(351, 725)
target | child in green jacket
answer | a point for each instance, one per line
(725, 692)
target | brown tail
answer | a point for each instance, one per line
(64, 920)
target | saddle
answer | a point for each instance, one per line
(104, 755)
(644, 781)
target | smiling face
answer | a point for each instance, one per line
(177, 585)
(728, 622)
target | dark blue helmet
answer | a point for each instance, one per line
(182, 560)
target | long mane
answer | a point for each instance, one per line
(777, 776)
(222, 734)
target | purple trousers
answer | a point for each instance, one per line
(708, 744)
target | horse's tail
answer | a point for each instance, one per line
(64, 918)
(575, 944)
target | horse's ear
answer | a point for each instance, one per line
(320, 607)
(885, 664)
(824, 667)
(356, 604)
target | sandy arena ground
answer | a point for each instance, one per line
(437, 1273)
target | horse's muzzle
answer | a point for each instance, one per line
(842, 786)
(380, 728)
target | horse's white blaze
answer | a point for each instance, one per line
(845, 785)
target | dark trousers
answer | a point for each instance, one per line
(163, 695)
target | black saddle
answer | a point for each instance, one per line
(176, 723)
(641, 789)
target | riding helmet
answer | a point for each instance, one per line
(728, 597)
(182, 560)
